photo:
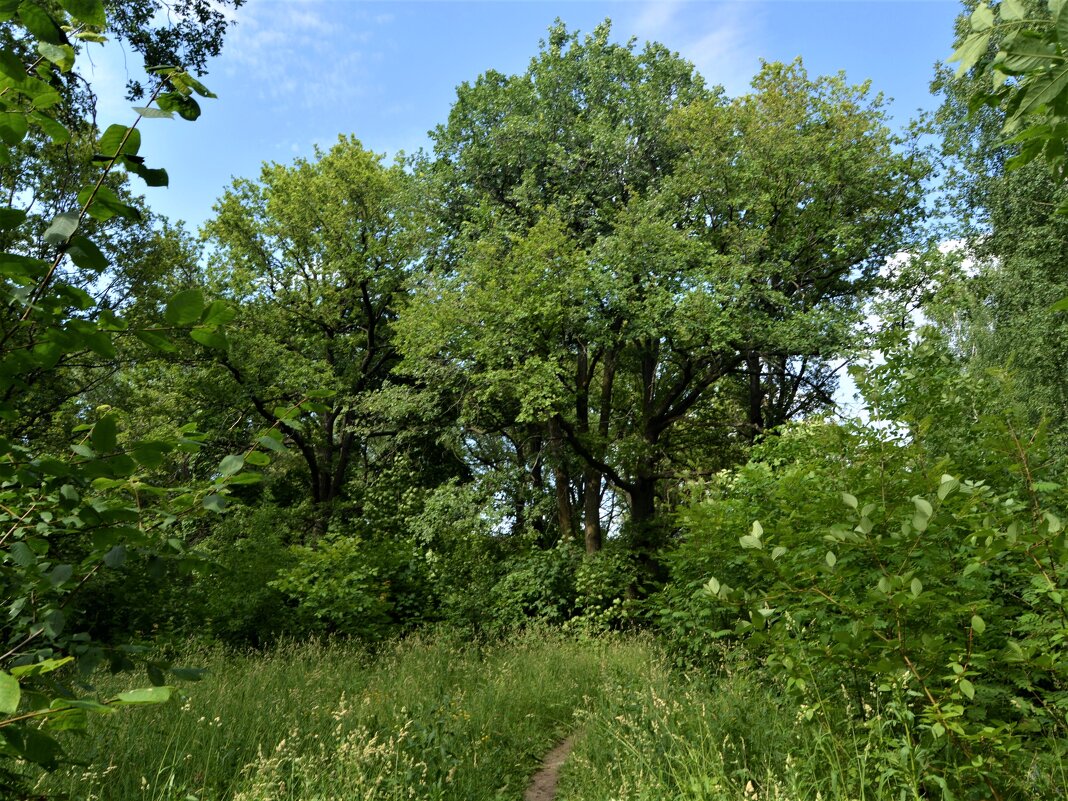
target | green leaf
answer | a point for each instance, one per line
(978, 624)
(60, 55)
(231, 464)
(11, 66)
(54, 129)
(41, 668)
(948, 486)
(105, 434)
(971, 50)
(923, 507)
(150, 113)
(10, 693)
(750, 542)
(218, 312)
(151, 177)
(156, 342)
(60, 575)
(13, 127)
(258, 459)
(982, 18)
(214, 503)
(967, 688)
(1012, 10)
(185, 307)
(830, 559)
(39, 748)
(210, 338)
(106, 204)
(86, 255)
(11, 218)
(23, 554)
(917, 587)
(62, 228)
(245, 478)
(145, 695)
(777, 551)
(1026, 55)
(1041, 92)
(186, 107)
(91, 12)
(112, 142)
(150, 454)
(185, 84)
(40, 23)
(1060, 16)
(116, 557)
(849, 500)
(272, 444)
(88, 704)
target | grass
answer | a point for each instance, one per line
(440, 719)
(735, 737)
(426, 719)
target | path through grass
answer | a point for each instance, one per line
(436, 719)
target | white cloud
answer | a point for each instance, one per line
(723, 40)
(299, 56)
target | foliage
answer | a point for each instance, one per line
(636, 249)
(437, 716)
(537, 587)
(934, 594)
(1000, 307)
(1028, 73)
(71, 513)
(314, 256)
(354, 587)
(604, 584)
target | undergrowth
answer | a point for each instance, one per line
(427, 718)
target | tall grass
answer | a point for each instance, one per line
(735, 737)
(426, 719)
(443, 720)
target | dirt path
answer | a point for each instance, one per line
(543, 785)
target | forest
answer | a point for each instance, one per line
(396, 474)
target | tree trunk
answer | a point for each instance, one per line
(591, 516)
(565, 513)
(756, 396)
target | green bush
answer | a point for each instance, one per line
(603, 582)
(536, 586)
(354, 587)
(856, 559)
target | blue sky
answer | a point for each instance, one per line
(295, 73)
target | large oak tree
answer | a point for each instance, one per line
(623, 252)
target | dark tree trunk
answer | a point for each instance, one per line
(565, 512)
(756, 396)
(591, 513)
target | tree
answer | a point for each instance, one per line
(1005, 203)
(1021, 48)
(314, 255)
(72, 511)
(633, 245)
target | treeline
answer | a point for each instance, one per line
(606, 281)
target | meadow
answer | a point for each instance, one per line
(437, 717)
